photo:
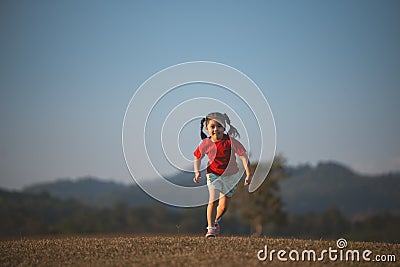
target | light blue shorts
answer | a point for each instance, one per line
(225, 184)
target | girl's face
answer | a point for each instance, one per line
(215, 130)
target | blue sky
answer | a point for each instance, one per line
(329, 69)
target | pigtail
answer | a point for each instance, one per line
(232, 130)
(202, 134)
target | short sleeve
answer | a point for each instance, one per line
(238, 147)
(198, 153)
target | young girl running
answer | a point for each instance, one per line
(222, 170)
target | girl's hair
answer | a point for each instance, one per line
(220, 118)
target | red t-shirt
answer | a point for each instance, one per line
(221, 159)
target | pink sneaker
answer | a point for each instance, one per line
(217, 228)
(211, 231)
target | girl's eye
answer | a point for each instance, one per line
(215, 126)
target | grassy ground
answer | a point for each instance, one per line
(176, 251)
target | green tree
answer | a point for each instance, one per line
(264, 206)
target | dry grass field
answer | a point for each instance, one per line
(184, 251)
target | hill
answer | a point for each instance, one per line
(93, 192)
(306, 189)
(331, 185)
(96, 192)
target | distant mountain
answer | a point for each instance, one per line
(88, 187)
(331, 185)
(93, 192)
(307, 189)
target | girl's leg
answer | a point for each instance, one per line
(223, 205)
(212, 207)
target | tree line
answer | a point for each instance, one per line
(43, 215)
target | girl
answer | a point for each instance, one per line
(222, 170)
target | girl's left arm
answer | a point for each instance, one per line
(246, 165)
(197, 173)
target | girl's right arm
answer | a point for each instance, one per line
(197, 174)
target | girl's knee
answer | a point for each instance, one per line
(213, 202)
